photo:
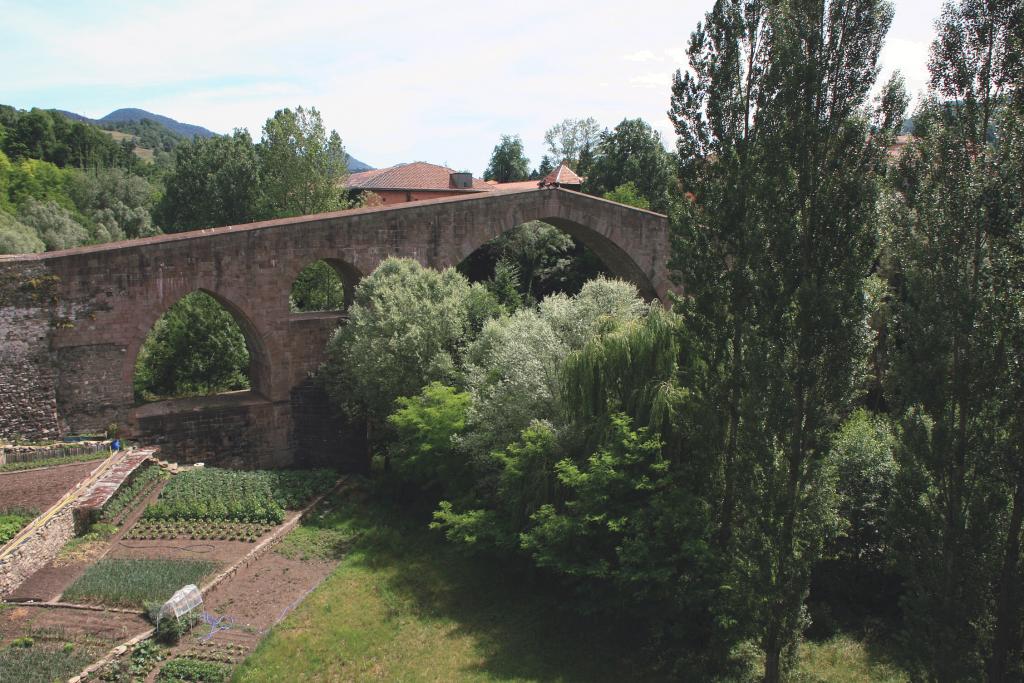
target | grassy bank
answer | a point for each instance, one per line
(403, 605)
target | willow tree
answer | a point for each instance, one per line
(782, 160)
(960, 345)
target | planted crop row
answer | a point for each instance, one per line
(194, 671)
(132, 583)
(197, 530)
(259, 497)
(144, 482)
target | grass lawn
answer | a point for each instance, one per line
(405, 606)
(845, 660)
(131, 583)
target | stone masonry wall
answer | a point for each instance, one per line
(233, 430)
(28, 404)
(37, 550)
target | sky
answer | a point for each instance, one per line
(400, 81)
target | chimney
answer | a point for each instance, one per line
(460, 181)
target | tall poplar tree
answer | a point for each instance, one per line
(960, 345)
(781, 160)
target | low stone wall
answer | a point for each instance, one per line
(36, 550)
(240, 430)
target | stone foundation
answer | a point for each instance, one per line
(37, 550)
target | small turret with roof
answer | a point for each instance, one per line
(563, 176)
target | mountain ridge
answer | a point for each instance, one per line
(186, 130)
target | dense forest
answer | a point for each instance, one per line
(823, 434)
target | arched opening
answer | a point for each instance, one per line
(201, 346)
(324, 285)
(535, 259)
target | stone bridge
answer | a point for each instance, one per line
(72, 322)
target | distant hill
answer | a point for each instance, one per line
(355, 166)
(187, 130)
(117, 119)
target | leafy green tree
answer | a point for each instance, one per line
(195, 348)
(408, 326)
(38, 180)
(318, 288)
(214, 182)
(541, 253)
(303, 167)
(505, 284)
(18, 238)
(424, 450)
(959, 344)
(628, 194)
(54, 225)
(572, 141)
(508, 162)
(118, 202)
(774, 104)
(864, 453)
(633, 153)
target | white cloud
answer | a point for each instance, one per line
(642, 56)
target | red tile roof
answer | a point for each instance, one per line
(419, 175)
(516, 185)
(563, 175)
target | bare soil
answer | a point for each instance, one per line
(39, 489)
(76, 625)
(222, 552)
(249, 604)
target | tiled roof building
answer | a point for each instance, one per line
(420, 180)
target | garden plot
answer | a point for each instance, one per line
(38, 489)
(164, 532)
(50, 581)
(47, 644)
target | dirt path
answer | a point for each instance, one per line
(39, 489)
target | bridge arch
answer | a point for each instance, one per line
(346, 272)
(260, 368)
(618, 235)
